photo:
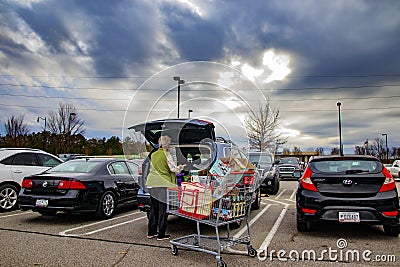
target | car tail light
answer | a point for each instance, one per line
(26, 183)
(390, 183)
(308, 211)
(248, 180)
(71, 184)
(390, 213)
(306, 181)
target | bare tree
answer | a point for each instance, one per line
(65, 123)
(16, 126)
(262, 128)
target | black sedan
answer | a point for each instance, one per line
(82, 185)
(348, 189)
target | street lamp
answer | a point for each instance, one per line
(177, 78)
(340, 130)
(44, 132)
(189, 111)
(387, 151)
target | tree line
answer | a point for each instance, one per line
(63, 133)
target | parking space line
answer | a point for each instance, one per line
(280, 194)
(244, 229)
(274, 229)
(259, 214)
(115, 225)
(64, 233)
(292, 195)
(18, 214)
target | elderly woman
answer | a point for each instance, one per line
(162, 175)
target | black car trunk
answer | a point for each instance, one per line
(49, 184)
(348, 185)
(181, 131)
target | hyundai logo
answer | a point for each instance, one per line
(44, 184)
(347, 182)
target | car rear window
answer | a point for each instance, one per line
(76, 166)
(354, 165)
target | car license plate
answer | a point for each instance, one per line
(42, 203)
(349, 216)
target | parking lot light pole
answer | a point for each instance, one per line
(177, 78)
(44, 131)
(189, 111)
(387, 151)
(340, 130)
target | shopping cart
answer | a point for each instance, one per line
(215, 204)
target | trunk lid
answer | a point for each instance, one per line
(352, 177)
(181, 131)
(47, 184)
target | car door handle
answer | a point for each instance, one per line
(17, 171)
(119, 182)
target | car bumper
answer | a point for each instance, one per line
(327, 208)
(73, 201)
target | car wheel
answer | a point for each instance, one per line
(235, 225)
(48, 212)
(392, 230)
(257, 202)
(302, 225)
(107, 205)
(8, 197)
(275, 188)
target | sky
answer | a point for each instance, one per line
(115, 62)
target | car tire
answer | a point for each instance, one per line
(275, 188)
(391, 230)
(235, 225)
(8, 197)
(107, 205)
(257, 202)
(302, 225)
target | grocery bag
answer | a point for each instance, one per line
(195, 200)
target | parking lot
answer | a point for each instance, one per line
(29, 239)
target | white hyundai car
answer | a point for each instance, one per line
(15, 164)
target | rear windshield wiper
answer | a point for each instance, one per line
(355, 171)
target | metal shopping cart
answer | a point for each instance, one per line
(216, 203)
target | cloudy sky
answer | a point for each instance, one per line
(115, 62)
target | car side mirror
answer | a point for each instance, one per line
(276, 162)
(396, 165)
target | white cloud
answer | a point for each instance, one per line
(278, 64)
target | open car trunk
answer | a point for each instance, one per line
(181, 131)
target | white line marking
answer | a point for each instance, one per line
(274, 229)
(293, 194)
(12, 215)
(115, 225)
(279, 202)
(244, 229)
(64, 233)
(280, 194)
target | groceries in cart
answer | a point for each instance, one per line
(221, 193)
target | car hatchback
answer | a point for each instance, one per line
(348, 189)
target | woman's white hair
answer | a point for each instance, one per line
(164, 141)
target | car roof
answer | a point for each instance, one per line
(6, 152)
(367, 157)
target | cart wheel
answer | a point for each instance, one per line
(251, 252)
(222, 263)
(174, 250)
(195, 241)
